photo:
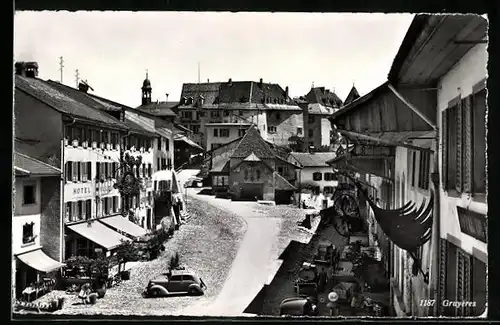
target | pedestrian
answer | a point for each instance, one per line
(84, 293)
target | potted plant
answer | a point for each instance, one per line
(126, 252)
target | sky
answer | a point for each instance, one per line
(113, 50)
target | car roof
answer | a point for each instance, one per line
(182, 272)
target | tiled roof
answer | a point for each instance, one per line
(31, 166)
(220, 166)
(62, 102)
(138, 129)
(317, 159)
(352, 96)
(261, 91)
(323, 96)
(209, 91)
(252, 142)
(159, 108)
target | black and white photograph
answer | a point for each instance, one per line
(249, 164)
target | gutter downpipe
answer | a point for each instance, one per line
(436, 222)
(62, 232)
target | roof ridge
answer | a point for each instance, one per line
(37, 160)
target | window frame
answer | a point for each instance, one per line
(32, 184)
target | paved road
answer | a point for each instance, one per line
(254, 262)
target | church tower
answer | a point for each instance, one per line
(146, 91)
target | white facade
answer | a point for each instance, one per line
(306, 174)
(469, 71)
(85, 188)
(26, 214)
(218, 134)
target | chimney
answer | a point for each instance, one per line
(27, 69)
(208, 80)
(230, 81)
(260, 82)
(82, 86)
(286, 92)
(167, 96)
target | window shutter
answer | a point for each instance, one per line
(89, 209)
(97, 170)
(443, 254)
(444, 148)
(68, 171)
(83, 213)
(467, 144)
(459, 157)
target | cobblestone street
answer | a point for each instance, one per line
(207, 244)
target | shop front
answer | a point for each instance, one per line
(36, 274)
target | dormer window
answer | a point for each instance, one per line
(275, 100)
(183, 100)
(189, 101)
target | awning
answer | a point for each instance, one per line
(123, 224)
(99, 234)
(38, 260)
(188, 141)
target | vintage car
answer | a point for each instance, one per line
(298, 306)
(175, 282)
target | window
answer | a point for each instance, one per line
(106, 206)
(89, 170)
(150, 170)
(220, 180)
(215, 114)
(189, 101)
(423, 170)
(278, 115)
(104, 136)
(310, 119)
(257, 174)
(299, 131)
(464, 147)
(413, 167)
(187, 115)
(114, 139)
(28, 235)
(330, 177)
(187, 278)
(246, 174)
(167, 144)
(271, 129)
(310, 132)
(328, 189)
(68, 172)
(216, 132)
(317, 176)
(195, 129)
(224, 133)
(240, 113)
(280, 170)
(226, 113)
(81, 210)
(176, 278)
(158, 143)
(241, 132)
(29, 194)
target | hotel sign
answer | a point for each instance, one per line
(105, 188)
(78, 191)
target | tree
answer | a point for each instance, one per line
(128, 183)
(126, 252)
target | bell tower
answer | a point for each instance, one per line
(146, 90)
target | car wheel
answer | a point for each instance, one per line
(194, 292)
(155, 293)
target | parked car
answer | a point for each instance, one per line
(175, 282)
(194, 182)
(298, 306)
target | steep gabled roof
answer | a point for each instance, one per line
(252, 142)
(46, 92)
(25, 165)
(317, 159)
(352, 96)
(209, 92)
(324, 97)
(280, 183)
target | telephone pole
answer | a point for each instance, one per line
(77, 77)
(61, 66)
(198, 72)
